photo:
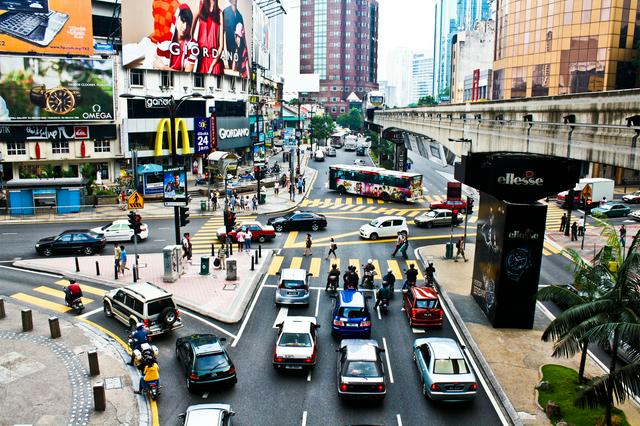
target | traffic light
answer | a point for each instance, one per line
(132, 220)
(184, 216)
(454, 217)
(137, 224)
(229, 221)
(469, 205)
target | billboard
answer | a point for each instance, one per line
(62, 27)
(174, 185)
(56, 89)
(203, 36)
(202, 127)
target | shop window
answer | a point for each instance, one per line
(102, 146)
(218, 81)
(60, 147)
(136, 77)
(198, 81)
(47, 171)
(166, 79)
(16, 148)
(103, 169)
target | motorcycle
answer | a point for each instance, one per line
(367, 281)
(153, 390)
(384, 305)
(77, 305)
(333, 283)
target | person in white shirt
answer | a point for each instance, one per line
(247, 240)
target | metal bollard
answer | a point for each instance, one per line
(97, 268)
(255, 255)
(77, 265)
(27, 320)
(115, 271)
(253, 266)
(260, 251)
(2, 312)
(230, 249)
(54, 327)
(135, 273)
(213, 249)
(94, 365)
(99, 398)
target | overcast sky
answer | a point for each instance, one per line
(403, 23)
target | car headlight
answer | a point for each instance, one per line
(37, 245)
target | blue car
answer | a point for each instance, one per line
(351, 318)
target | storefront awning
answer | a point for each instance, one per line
(51, 183)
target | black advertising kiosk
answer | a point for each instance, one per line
(510, 228)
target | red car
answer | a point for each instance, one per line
(460, 205)
(259, 232)
(422, 306)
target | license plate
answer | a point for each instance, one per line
(293, 367)
(292, 293)
(352, 325)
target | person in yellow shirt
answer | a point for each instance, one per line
(151, 374)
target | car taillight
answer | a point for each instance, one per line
(278, 359)
(177, 314)
(146, 323)
(474, 386)
(143, 228)
(311, 358)
(435, 387)
(280, 285)
(380, 388)
(365, 324)
(338, 323)
(193, 376)
(343, 387)
(232, 370)
(308, 359)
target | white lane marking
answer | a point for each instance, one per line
(318, 303)
(378, 311)
(282, 315)
(159, 241)
(386, 355)
(204, 321)
(418, 330)
(476, 369)
(309, 376)
(246, 318)
(31, 272)
(163, 229)
(9, 233)
(86, 314)
(304, 418)
(205, 395)
(366, 290)
(399, 419)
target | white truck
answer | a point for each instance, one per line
(598, 188)
(350, 143)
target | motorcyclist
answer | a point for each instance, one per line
(72, 292)
(412, 277)
(368, 269)
(351, 278)
(151, 374)
(390, 279)
(137, 339)
(381, 294)
(430, 273)
(334, 272)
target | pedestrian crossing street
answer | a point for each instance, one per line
(51, 297)
(206, 235)
(554, 216)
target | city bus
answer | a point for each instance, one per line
(350, 143)
(376, 182)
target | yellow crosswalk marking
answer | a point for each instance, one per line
(369, 210)
(328, 201)
(41, 302)
(369, 200)
(414, 213)
(429, 198)
(380, 201)
(296, 262)
(551, 248)
(358, 209)
(359, 200)
(355, 262)
(276, 263)
(379, 271)
(338, 202)
(395, 267)
(314, 267)
(305, 203)
(315, 203)
(85, 288)
(417, 267)
(336, 261)
(349, 201)
(546, 252)
(291, 239)
(57, 293)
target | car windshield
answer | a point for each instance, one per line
(104, 228)
(93, 234)
(295, 340)
(606, 206)
(211, 361)
(158, 306)
(450, 366)
(374, 222)
(427, 304)
(352, 312)
(293, 284)
(288, 215)
(431, 214)
(362, 369)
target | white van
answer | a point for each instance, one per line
(318, 155)
(384, 227)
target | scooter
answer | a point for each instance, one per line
(368, 278)
(142, 355)
(384, 305)
(153, 390)
(333, 283)
(77, 305)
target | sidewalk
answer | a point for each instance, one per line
(512, 356)
(157, 210)
(31, 362)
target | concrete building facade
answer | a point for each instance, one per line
(421, 77)
(471, 50)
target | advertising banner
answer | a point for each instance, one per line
(202, 128)
(232, 132)
(203, 36)
(259, 154)
(62, 27)
(56, 89)
(174, 186)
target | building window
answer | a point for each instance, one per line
(60, 147)
(540, 85)
(102, 146)
(136, 77)
(341, 109)
(166, 79)
(518, 82)
(244, 85)
(16, 148)
(198, 81)
(218, 81)
(103, 168)
(498, 84)
(333, 109)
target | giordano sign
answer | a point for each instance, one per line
(181, 131)
(233, 132)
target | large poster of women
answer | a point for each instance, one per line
(201, 36)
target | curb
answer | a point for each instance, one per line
(507, 408)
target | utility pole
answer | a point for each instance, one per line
(299, 133)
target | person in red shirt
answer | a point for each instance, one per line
(208, 34)
(72, 292)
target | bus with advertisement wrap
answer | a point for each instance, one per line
(376, 182)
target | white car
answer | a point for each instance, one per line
(208, 414)
(296, 343)
(359, 162)
(119, 230)
(318, 155)
(634, 197)
(635, 215)
(384, 227)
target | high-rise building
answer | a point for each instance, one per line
(546, 47)
(339, 42)
(399, 60)
(421, 77)
(472, 56)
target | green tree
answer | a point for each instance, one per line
(353, 119)
(322, 126)
(427, 100)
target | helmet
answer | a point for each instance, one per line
(369, 261)
(385, 284)
(139, 326)
(389, 271)
(334, 266)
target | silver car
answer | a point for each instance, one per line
(437, 217)
(208, 414)
(293, 287)
(360, 369)
(444, 370)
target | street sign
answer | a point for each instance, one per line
(135, 201)
(586, 192)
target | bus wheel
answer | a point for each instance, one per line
(385, 197)
(342, 190)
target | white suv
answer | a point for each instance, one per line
(384, 227)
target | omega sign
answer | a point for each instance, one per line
(528, 179)
(232, 133)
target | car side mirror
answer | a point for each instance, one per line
(182, 416)
(309, 274)
(278, 273)
(231, 413)
(381, 350)
(223, 339)
(317, 325)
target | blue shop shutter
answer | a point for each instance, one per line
(68, 201)
(21, 202)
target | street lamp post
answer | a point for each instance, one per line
(172, 105)
(466, 213)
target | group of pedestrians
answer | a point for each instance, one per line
(243, 237)
(576, 229)
(240, 203)
(120, 258)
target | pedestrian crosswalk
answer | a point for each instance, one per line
(554, 216)
(207, 234)
(51, 297)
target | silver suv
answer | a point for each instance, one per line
(144, 303)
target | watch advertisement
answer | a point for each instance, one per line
(174, 186)
(55, 89)
(58, 27)
(202, 127)
(194, 36)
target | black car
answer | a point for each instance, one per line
(72, 241)
(205, 360)
(361, 150)
(298, 220)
